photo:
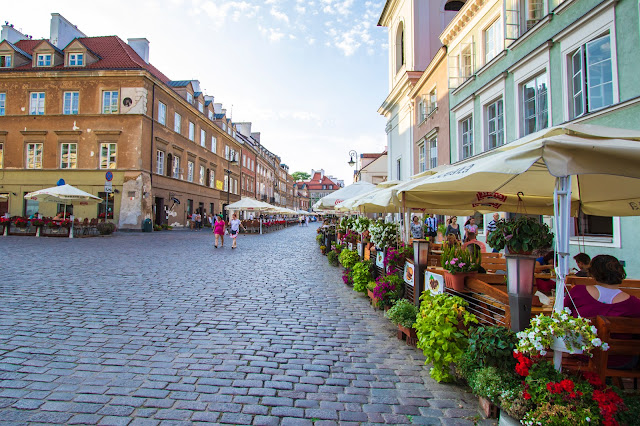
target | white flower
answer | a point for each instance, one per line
(605, 346)
(596, 342)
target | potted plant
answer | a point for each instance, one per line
(370, 287)
(458, 264)
(403, 313)
(332, 257)
(520, 237)
(395, 258)
(5, 222)
(383, 234)
(388, 289)
(20, 222)
(361, 275)
(442, 327)
(348, 258)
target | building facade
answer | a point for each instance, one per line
(373, 168)
(321, 185)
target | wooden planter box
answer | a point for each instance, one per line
(29, 231)
(408, 334)
(488, 409)
(374, 300)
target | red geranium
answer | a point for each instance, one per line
(524, 363)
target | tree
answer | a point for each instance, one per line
(298, 176)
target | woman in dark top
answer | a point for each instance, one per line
(453, 228)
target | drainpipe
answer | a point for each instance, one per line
(153, 101)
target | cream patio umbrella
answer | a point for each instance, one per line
(328, 202)
(350, 203)
(64, 194)
(250, 204)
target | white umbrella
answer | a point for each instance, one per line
(329, 202)
(249, 204)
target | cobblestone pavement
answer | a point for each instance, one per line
(147, 329)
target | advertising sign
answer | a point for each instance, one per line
(434, 282)
(408, 273)
(380, 259)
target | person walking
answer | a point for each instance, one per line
(432, 227)
(453, 228)
(491, 227)
(416, 229)
(218, 231)
(470, 229)
(306, 220)
(235, 226)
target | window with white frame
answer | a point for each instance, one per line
(212, 179)
(177, 123)
(432, 145)
(68, 155)
(244, 161)
(175, 167)
(70, 103)
(203, 137)
(466, 61)
(432, 101)
(34, 156)
(227, 152)
(76, 59)
(3, 100)
(398, 169)
(591, 76)
(108, 156)
(226, 183)
(202, 176)
(521, 16)
(535, 109)
(200, 107)
(189, 98)
(162, 113)
(5, 61)
(211, 115)
(593, 226)
(422, 108)
(190, 170)
(494, 114)
(466, 137)
(43, 60)
(192, 131)
(36, 103)
(160, 162)
(422, 157)
(110, 102)
(493, 40)
(214, 144)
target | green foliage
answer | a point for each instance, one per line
(457, 259)
(166, 227)
(492, 346)
(491, 382)
(442, 332)
(106, 228)
(371, 285)
(632, 415)
(522, 235)
(442, 228)
(361, 275)
(319, 239)
(513, 402)
(383, 234)
(403, 313)
(157, 227)
(348, 258)
(388, 289)
(332, 257)
(299, 176)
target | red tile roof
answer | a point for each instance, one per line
(113, 53)
(316, 183)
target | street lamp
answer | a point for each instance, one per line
(354, 157)
(228, 172)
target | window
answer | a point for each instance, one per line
(244, 161)
(190, 170)
(226, 183)
(176, 167)
(71, 101)
(534, 105)
(588, 225)
(226, 152)
(200, 107)
(399, 46)
(108, 156)
(201, 177)
(212, 179)
(466, 64)
(160, 162)
(522, 15)
(30, 206)
(36, 103)
(466, 137)
(43, 60)
(422, 108)
(106, 205)
(177, 123)
(432, 102)
(433, 153)
(76, 59)
(591, 77)
(495, 124)
(422, 158)
(68, 155)
(110, 102)
(192, 131)
(214, 144)
(398, 169)
(5, 61)
(189, 98)
(203, 137)
(492, 41)
(211, 115)
(3, 99)
(34, 156)
(162, 113)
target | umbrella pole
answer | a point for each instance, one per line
(561, 222)
(65, 218)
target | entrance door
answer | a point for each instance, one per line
(159, 211)
(4, 206)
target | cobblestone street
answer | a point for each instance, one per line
(146, 329)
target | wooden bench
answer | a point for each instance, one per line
(492, 263)
(608, 327)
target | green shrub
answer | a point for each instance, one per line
(106, 228)
(361, 275)
(332, 257)
(491, 382)
(320, 239)
(493, 346)
(348, 258)
(157, 228)
(371, 285)
(389, 288)
(403, 313)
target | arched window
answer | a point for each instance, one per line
(454, 5)
(400, 47)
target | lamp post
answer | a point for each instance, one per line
(230, 162)
(354, 158)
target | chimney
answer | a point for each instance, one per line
(256, 136)
(11, 34)
(62, 31)
(217, 108)
(141, 47)
(208, 98)
(196, 85)
(244, 128)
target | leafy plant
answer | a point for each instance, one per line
(442, 332)
(351, 237)
(388, 289)
(106, 228)
(490, 382)
(348, 258)
(361, 224)
(492, 346)
(395, 258)
(456, 259)
(319, 239)
(332, 257)
(522, 235)
(383, 234)
(402, 312)
(361, 275)
(371, 285)
(442, 228)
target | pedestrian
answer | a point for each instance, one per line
(218, 231)
(235, 226)
(432, 227)
(306, 220)
(416, 229)
(492, 227)
(301, 219)
(470, 229)
(198, 221)
(453, 228)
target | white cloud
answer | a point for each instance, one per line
(280, 16)
(218, 12)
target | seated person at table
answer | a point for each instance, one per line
(582, 260)
(59, 216)
(547, 259)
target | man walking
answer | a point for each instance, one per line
(432, 227)
(492, 226)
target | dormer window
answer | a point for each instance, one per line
(76, 59)
(44, 60)
(189, 98)
(5, 61)
(200, 107)
(211, 115)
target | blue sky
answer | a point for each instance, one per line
(309, 75)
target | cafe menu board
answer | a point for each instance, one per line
(360, 251)
(380, 259)
(350, 246)
(408, 273)
(434, 282)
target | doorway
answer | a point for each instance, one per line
(159, 213)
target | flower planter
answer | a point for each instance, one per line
(487, 408)
(507, 420)
(374, 300)
(456, 281)
(408, 334)
(560, 346)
